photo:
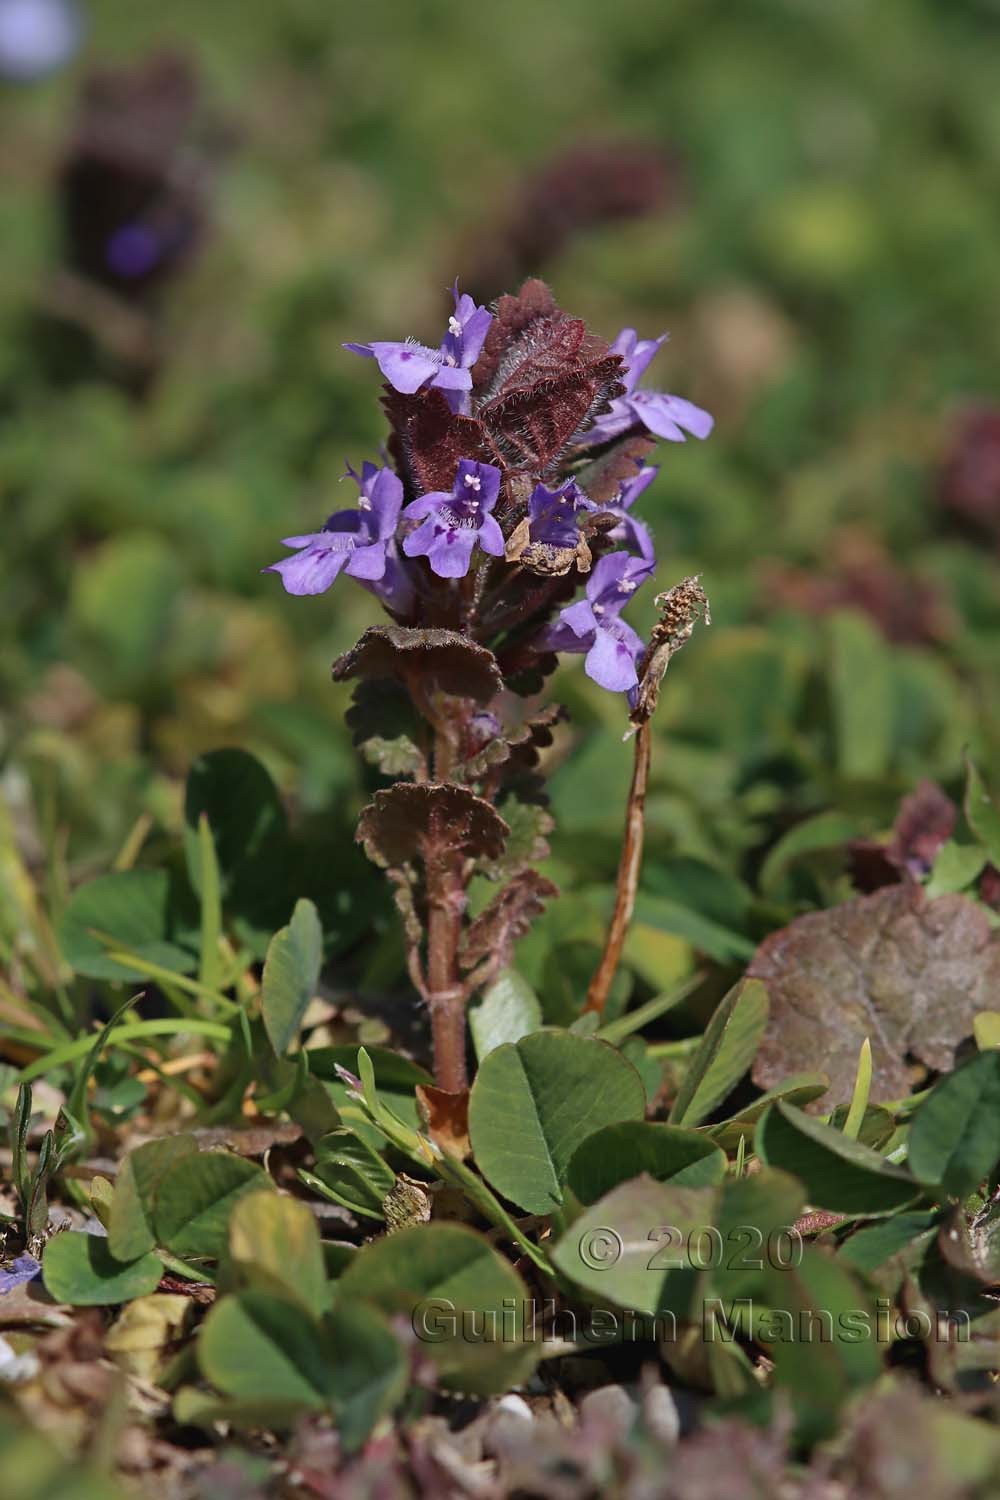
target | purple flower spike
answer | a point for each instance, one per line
(25, 1268)
(352, 541)
(456, 520)
(664, 416)
(593, 624)
(408, 365)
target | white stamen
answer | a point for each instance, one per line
(454, 326)
(627, 586)
(364, 503)
(450, 359)
(473, 481)
(598, 609)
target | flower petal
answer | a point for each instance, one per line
(611, 660)
(311, 571)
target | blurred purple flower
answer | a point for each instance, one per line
(593, 624)
(662, 415)
(408, 365)
(455, 520)
(352, 541)
(25, 1268)
(37, 37)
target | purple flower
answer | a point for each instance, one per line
(408, 365)
(353, 541)
(25, 1268)
(593, 624)
(394, 588)
(629, 532)
(664, 416)
(552, 514)
(455, 520)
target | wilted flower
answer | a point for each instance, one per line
(352, 541)
(664, 416)
(456, 520)
(408, 365)
(593, 624)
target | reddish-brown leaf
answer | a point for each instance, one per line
(428, 821)
(908, 973)
(430, 439)
(446, 1117)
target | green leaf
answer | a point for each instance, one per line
(210, 961)
(618, 1031)
(862, 1089)
(824, 1346)
(272, 1357)
(827, 830)
(133, 1206)
(727, 1049)
(839, 1174)
(954, 1137)
(986, 1029)
(274, 1247)
(981, 814)
(862, 696)
(800, 1089)
(80, 1269)
(534, 1101)
(509, 1010)
(623, 1151)
(870, 1247)
(196, 1196)
(244, 811)
(630, 1247)
(132, 909)
(710, 938)
(955, 867)
(464, 1301)
(291, 973)
(351, 1172)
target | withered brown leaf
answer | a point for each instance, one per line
(908, 973)
(507, 918)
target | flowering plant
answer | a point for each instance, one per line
(518, 449)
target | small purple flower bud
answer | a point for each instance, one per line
(455, 521)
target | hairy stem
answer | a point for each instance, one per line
(628, 873)
(445, 992)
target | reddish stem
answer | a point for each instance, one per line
(628, 874)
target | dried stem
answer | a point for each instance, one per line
(628, 873)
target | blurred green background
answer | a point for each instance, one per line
(825, 253)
